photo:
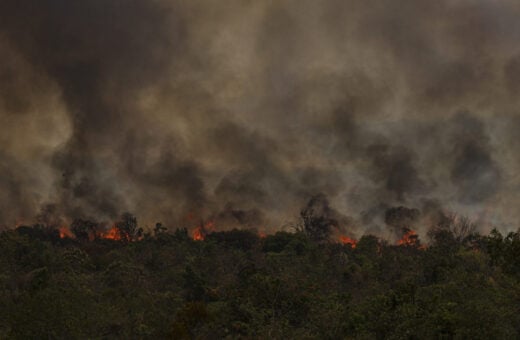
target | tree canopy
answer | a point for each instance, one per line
(239, 284)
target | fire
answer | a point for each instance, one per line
(200, 232)
(347, 240)
(410, 238)
(113, 234)
(65, 232)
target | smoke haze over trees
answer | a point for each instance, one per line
(243, 111)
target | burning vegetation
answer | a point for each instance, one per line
(318, 221)
(200, 232)
(65, 232)
(347, 240)
(125, 229)
(283, 144)
(196, 283)
(410, 238)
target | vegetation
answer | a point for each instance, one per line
(235, 284)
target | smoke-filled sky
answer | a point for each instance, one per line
(242, 110)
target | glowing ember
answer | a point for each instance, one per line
(410, 238)
(65, 232)
(347, 240)
(113, 234)
(200, 232)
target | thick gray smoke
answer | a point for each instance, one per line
(241, 111)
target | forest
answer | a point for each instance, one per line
(157, 157)
(128, 283)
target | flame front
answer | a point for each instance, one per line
(113, 234)
(65, 232)
(200, 232)
(410, 238)
(347, 240)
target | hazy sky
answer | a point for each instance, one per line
(242, 110)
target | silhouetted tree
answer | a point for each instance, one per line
(82, 229)
(159, 229)
(318, 218)
(127, 227)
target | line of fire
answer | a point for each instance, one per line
(317, 221)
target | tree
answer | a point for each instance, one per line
(127, 227)
(159, 229)
(83, 229)
(318, 218)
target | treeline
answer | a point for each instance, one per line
(236, 284)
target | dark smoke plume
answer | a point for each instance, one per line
(240, 111)
(402, 218)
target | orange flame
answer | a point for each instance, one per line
(347, 240)
(200, 232)
(65, 232)
(410, 238)
(113, 234)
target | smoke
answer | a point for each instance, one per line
(242, 111)
(401, 219)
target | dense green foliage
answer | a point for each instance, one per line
(237, 285)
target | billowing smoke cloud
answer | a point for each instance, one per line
(243, 111)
